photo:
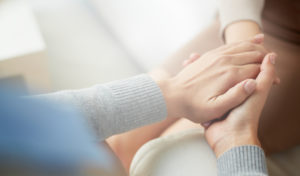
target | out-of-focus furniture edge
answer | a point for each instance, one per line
(23, 54)
(32, 68)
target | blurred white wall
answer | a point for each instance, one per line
(81, 52)
(95, 41)
(152, 29)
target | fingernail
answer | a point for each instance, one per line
(259, 37)
(273, 58)
(250, 86)
(277, 81)
(206, 124)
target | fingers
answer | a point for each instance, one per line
(248, 71)
(267, 76)
(234, 96)
(245, 46)
(236, 74)
(253, 53)
(194, 56)
(264, 81)
(258, 39)
(253, 44)
(241, 91)
(247, 58)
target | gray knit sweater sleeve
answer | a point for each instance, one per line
(123, 105)
(118, 106)
(242, 161)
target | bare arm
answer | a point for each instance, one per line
(241, 30)
(240, 19)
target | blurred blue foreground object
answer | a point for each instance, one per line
(38, 136)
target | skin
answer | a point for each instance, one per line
(211, 66)
(123, 145)
(235, 32)
(241, 125)
(240, 31)
(279, 125)
(192, 92)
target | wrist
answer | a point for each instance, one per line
(171, 95)
(240, 31)
(235, 140)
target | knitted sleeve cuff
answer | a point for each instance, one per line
(135, 102)
(242, 160)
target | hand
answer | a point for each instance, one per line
(259, 38)
(240, 126)
(212, 85)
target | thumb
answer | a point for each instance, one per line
(267, 74)
(264, 82)
(235, 96)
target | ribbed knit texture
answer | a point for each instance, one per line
(138, 101)
(118, 106)
(242, 161)
(123, 105)
(237, 10)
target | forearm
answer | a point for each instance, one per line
(241, 30)
(118, 106)
(240, 19)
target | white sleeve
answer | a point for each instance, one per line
(236, 10)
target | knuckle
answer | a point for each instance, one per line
(223, 59)
(230, 74)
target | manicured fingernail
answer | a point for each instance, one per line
(259, 37)
(250, 86)
(206, 124)
(273, 58)
(277, 81)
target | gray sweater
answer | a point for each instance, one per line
(120, 106)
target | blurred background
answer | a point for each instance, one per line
(51, 45)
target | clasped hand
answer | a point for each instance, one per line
(218, 82)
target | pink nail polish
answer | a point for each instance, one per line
(273, 58)
(250, 86)
(259, 37)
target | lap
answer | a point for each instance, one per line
(187, 153)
